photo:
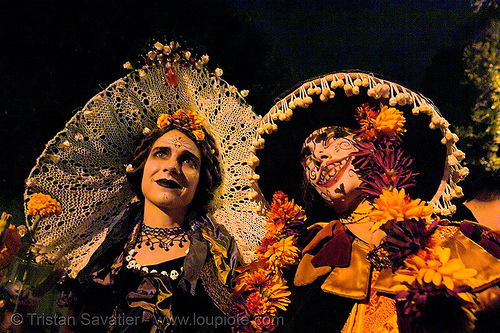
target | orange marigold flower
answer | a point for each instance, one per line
(11, 243)
(389, 122)
(282, 211)
(269, 239)
(366, 116)
(283, 253)
(163, 120)
(254, 277)
(397, 205)
(259, 305)
(43, 205)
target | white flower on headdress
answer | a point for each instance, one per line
(129, 168)
(244, 93)
(204, 59)
(159, 46)
(128, 65)
(218, 72)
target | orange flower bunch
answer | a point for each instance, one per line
(262, 282)
(278, 245)
(282, 212)
(185, 119)
(260, 293)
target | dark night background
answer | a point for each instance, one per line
(55, 55)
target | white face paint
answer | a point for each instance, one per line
(172, 172)
(328, 166)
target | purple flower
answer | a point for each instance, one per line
(405, 238)
(383, 165)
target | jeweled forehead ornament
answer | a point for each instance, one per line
(354, 89)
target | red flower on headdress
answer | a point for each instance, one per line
(185, 119)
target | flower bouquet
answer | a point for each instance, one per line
(261, 289)
(23, 280)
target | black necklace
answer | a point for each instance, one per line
(165, 238)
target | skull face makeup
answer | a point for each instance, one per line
(328, 167)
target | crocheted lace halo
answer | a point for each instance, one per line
(84, 165)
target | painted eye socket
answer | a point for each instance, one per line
(160, 154)
(189, 160)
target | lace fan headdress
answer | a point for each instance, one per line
(335, 100)
(84, 165)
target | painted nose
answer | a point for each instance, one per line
(319, 157)
(171, 166)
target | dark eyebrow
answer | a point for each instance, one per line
(160, 148)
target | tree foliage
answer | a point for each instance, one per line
(481, 136)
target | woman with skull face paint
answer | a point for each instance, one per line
(164, 264)
(376, 257)
(175, 173)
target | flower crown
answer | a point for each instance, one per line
(185, 119)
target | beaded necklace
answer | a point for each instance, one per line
(164, 238)
(132, 264)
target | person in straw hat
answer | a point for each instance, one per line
(155, 215)
(376, 167)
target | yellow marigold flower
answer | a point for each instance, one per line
(277, 294)
(397, 205)
(43, 205)
(434, 266)
(283, 253)
(389, 122)
(163, 120)
(199, 134)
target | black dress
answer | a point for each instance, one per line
(182, 295)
